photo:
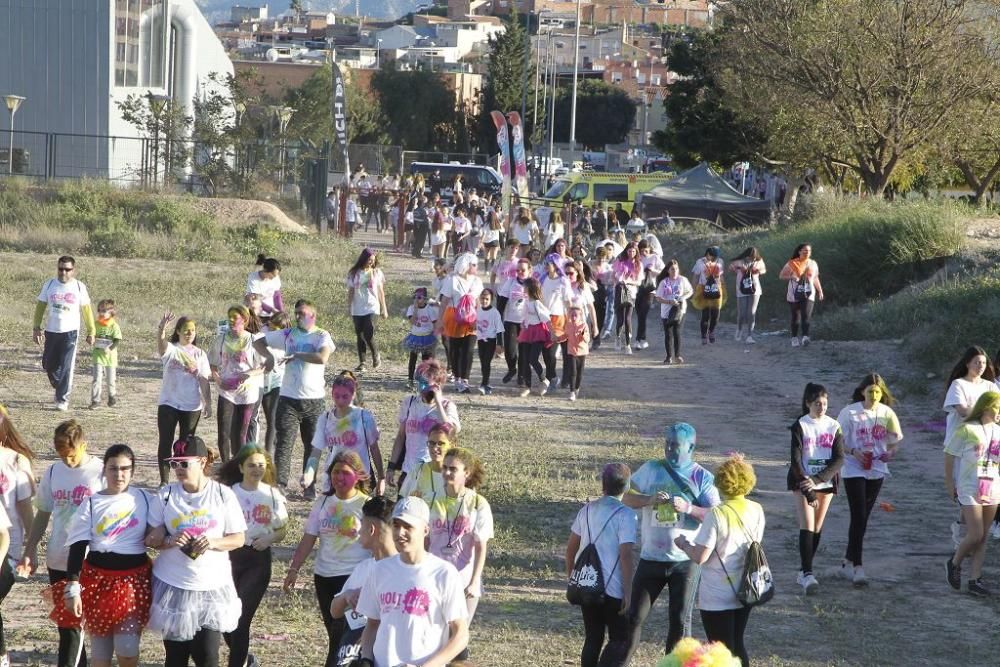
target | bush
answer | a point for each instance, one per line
(113, 238)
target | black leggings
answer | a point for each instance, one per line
(728, 627)
(672, 336)
(269, 405)
(643, 302)
(167, 421)
(251, 574)
(487, 348)
(600, 305)
(709, 319)
(6, 583)
(681, 581)
(596, 620)
(861, 496)
(460, 352)
(801, 310)
(234, 426)
(326, 589)
(511, 347)
(71, 649)
(203, 649)
(575, 368)
(623, 318)
(502, 305)
(527, 360)
(364, 332)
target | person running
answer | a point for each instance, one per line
(107, 569)
(195, 521)
(748, 267)
(672, 293)
(627, 270)
(611, 527)
(675, 494)
(534, 338)
(871, 438)
(417, 415)
(710, 291)
(68, 304)
(366, 294)
(652, 265)
(513, 318)
(266, 281)
(185, 393)
(335, 521)
(459, 296)
(307, 348)
(393, 635)
(345, 426)
(250, 474)
(63, 487)
(804, 289)
(238, 371)
(814, 475)
(726, 532)
(971, 468)
(427, 480)
(489, 338)
(104, 355)
(421, 340)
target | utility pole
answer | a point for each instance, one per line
(576, 67)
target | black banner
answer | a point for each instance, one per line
(340, 139)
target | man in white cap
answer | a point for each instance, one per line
(414, 601)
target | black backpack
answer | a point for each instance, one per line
(746, 282)
(710, 290)
(803, 290)
(756, 583)
(587, 581)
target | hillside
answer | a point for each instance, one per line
(218, 10)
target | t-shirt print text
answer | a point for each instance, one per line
(822, 441)
(415, 602)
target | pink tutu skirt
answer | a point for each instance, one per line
(536, 333)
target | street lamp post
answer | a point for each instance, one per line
(576, 67)
(13, 103)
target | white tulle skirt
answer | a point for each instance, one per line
(177, 614)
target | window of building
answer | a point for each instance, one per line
(139, 43)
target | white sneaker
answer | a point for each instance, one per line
(61, 406)
(750, 340)
(805, 341)
(628, 349)
(545, 388)
(808, 583)
(642, 345)
(5, 660)
(572, 395)
(859, 577)
(525, 392)
(739, 335)
(795, 342)
(606, 335)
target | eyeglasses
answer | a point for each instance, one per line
(114, 469)
(65, 269)
(183, 464)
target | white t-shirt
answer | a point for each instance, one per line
(17, 483)
(113, 523)
(535, 312)
(516, 300)
(506, 270)
(233, 357)
(622, 525)
(183, 369)
(652, 263)
(356, 432)
(422, 482)
(64, 302)
(456, 525)
(425, 319)
(417, 418)
(722, 533)
(674, 288)
(790, 293)
(455, 287)
(302, 380)
(555, 291)
(215, 512)
(414, 605)
(264, 510)
(273, 379)
(355, 582)
(366, 286)
(581, 296)
(523, 232)
(701, 267)
(488, 323)
(818, 436)
(337, 524)
(60, 492)
(964, 393)
(754, 277)
(266, 288)
(659, 532)
(867, 430)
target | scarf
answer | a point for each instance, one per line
(798, 266)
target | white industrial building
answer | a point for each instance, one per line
(74, 60)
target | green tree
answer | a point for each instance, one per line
(295, 6)
(604, 114)
(702, 127)
(419, 108)
(164, 122)
(503, 88)
(313, 117)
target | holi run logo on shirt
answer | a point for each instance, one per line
(822, 441)
(421, 425)
(115, 524)
(4, 483)
(341, 523)
(76, 496)
(416, 602)
(260, 515)
(196, 523)
(60, 298)
(343, 435)
(184, 361)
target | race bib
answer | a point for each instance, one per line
(815, 467)
(103, 343)
(355, 621)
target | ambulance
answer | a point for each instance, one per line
(591, 188)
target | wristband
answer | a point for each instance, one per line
(72, 590)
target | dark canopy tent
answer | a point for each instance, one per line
(703, 194)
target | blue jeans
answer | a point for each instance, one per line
(681, 579)
(58, 360)
(609, 312)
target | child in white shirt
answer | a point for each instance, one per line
(489, 337)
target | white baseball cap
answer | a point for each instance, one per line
(412, 511)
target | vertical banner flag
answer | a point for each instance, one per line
(520, 167)
(502, 140)
(340, 140)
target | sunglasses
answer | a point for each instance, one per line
(190, 463)
(65, 269)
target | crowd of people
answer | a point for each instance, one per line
(400, 542)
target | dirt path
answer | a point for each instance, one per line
(739, 398)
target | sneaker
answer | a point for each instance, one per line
(846, 571)
(489, 389)
(795, 342)
(667, 360)
(508, 377)
(309, 493)
(678, 360)
(642, 345)
(252, 661)
(5, 660)
(606, 335)
(978, 588)
(704, 340)
(545, 388)
(628, 349)
(94, 405)
(572, 396)
(112, 401)
(805, 341)
(360, 368)
(954, 574)
(61, 406)
(808, 583)
(377, 362)
(464, 388)
(749, 340)
(410, 386)
(525, 392)
(482, 389)
(739, 335)
(860, 580)
(618, 344)
(711, 338)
